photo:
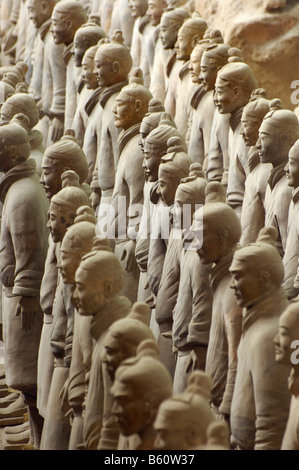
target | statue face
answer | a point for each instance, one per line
(38, 11)
(273, 147)
(151, 162)
(195, 69)
(103, 70)
(114, 354)
(89, 295)
(184, 44)
(69, 262)
(125, 112)
(250, 129)
(59, 220)
(209, 245)
(155, 11)
(208, 73)
(138, 7)
(128, 409)
(50, 177)
(168, 33)
(282, 342)
(168, 184)
(88, 75)
(184, 209)
(95, 198)
(245, 283)
(169, 434)
(227, 98)
(292, 168)
(61, 30)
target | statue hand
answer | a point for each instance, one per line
(27, 308)
(128, 255)
(197, 358)
(150, 301)
(57, 129)
(63, 395)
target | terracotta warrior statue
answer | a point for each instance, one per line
(64, 155)
(253, 209)
(217, 230)
(86, 37)
(122, 19)
(113, 64)
(212, 59)
(141, 26)
(151, 39)
(183, 419)
(149, 122)
(24, 241)
(25, 104)
(62, 212)
(131, 106)
(67, 17)
(141, 384)
(173, 168)
(99, 280)
(277, 134)
(77, 241)
(165, 55)
(48, 69)
(121, 343)
(192, 306)
(286, 352)
(177, 100)
(259, 416)
(234, 84)
(86, 103)
(290, 259)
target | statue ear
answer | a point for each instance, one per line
(44, 7)
(68, 24)
(138, 105)
(223, 235)
(115, 67)
(195, 40)
(263, 278)
(108, 287)
(13, 154)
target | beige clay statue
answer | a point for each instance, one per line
(77, 241)
(259, 416)
(99, 280)
(183, 419)
(286, 352)
(141, 384)
(127, 197)
(165, 55)
(253, 209)
(277, 134)
(64, 155)
(290, 259)
(192, 308)
(214, 56)
(62, 212)
(234, 85)
(113, 64)
(217, 231)
(24, 240)
(25, 104)
(67, 17)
